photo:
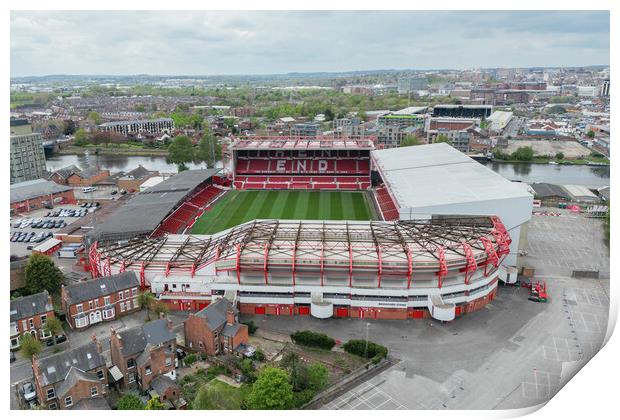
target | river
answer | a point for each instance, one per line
(591, 176)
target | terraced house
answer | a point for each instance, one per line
(28, 316)
(72, 379)
(101, 299)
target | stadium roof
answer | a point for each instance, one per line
(438, 174)
(410, 110)
(331, 245)
(27, 190)
(307, 143)
(144, 212)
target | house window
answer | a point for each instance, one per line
(136, 304)
(147, 370)
(53, 406)
(130, 363)
(90, 305)
(68, 401)
(100, 374)
(168, 361)
(43, 319)
(106, 300)
(94, 391)
(132, 378)
(24, 325)
(51, 394)
(120, 296)
(122, 307)
(79, 308)
(174, 286)
(31, 323)
(134, 291)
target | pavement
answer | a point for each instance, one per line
(513, 353)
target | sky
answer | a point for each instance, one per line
(223, 43)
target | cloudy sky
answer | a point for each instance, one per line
(209, 43)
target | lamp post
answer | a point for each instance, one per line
(366, 349)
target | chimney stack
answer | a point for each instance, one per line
(230, 316)
(98, 343)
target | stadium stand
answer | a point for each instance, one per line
(386, 204)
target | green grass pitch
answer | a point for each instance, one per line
(237, 207)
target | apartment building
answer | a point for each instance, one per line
(144, 352)
(216, 329)
(101, 299)
(305, 130)
(72, 378)
(28, 316)
(159, 125)
(27, 157)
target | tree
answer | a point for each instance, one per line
(130, 402)
(271, 391)
(29, 345)
(209, 150)
(591, 134)
(69, 127)
(154, 404)
(81, 137)
(442, 138)
(410, 140)
(181, 151)
(559, 156)
(160, 307)
(53, 326)
(94, 117)
(208, 398)
(42, 274)
(329, 114)
(318, 377)
(146, 300)
(524, 153)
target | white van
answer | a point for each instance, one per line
(88, 189)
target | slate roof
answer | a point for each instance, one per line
(27, 190)
(230, 330)
(74, 376)
(136, 339)
(98, 403)
(66, 172)
(162, 383)
(27, 306)
(101, 286)
(138, 173)
(55, 368)
(215, 313)
(544, 189)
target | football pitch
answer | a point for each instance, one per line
(237, 207)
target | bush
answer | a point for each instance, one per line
(251, 326)
(313, 339)
(190, 359)
(559, 156)
(203, 356)
(359, 348)
(215, 370)
(259, 355)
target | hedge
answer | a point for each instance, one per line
(313, 339)
(375, 351)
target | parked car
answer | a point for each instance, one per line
(114, 192)
(29, 392)
(59, 339)
(123, 192)
(12, 357)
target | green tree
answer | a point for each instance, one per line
(442, 138)
(94, 117)
(591, 134)
(181, 151)
(209, 150)
(130, 402)
(410, 140)
(42, 274)
(140, 108)
(53, 326)
(559, 156)
(154, 404)
(146, 300)
(524, 153)
(81, 137)
(318, 377)
(208, 398)
(69, 127)
(271, 391)
(160, 307)
(29, 346)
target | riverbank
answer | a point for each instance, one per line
(112, 151)
(547, 161)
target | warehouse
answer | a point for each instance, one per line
(35, 194)
(436, 179)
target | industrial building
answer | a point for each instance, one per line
(463, 111)
(35, 194)
(27, 156)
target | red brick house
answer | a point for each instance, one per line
(215, 329)
(68, 378)
(28, 316)
(143, 353)
(101, 299)
(76, 177)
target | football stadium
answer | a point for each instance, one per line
(323, 227)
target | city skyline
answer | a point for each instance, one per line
(264, 43)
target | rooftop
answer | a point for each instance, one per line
(91, 289)
(27, 306)
(55, 368)
(27, 190)
(308, 143)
